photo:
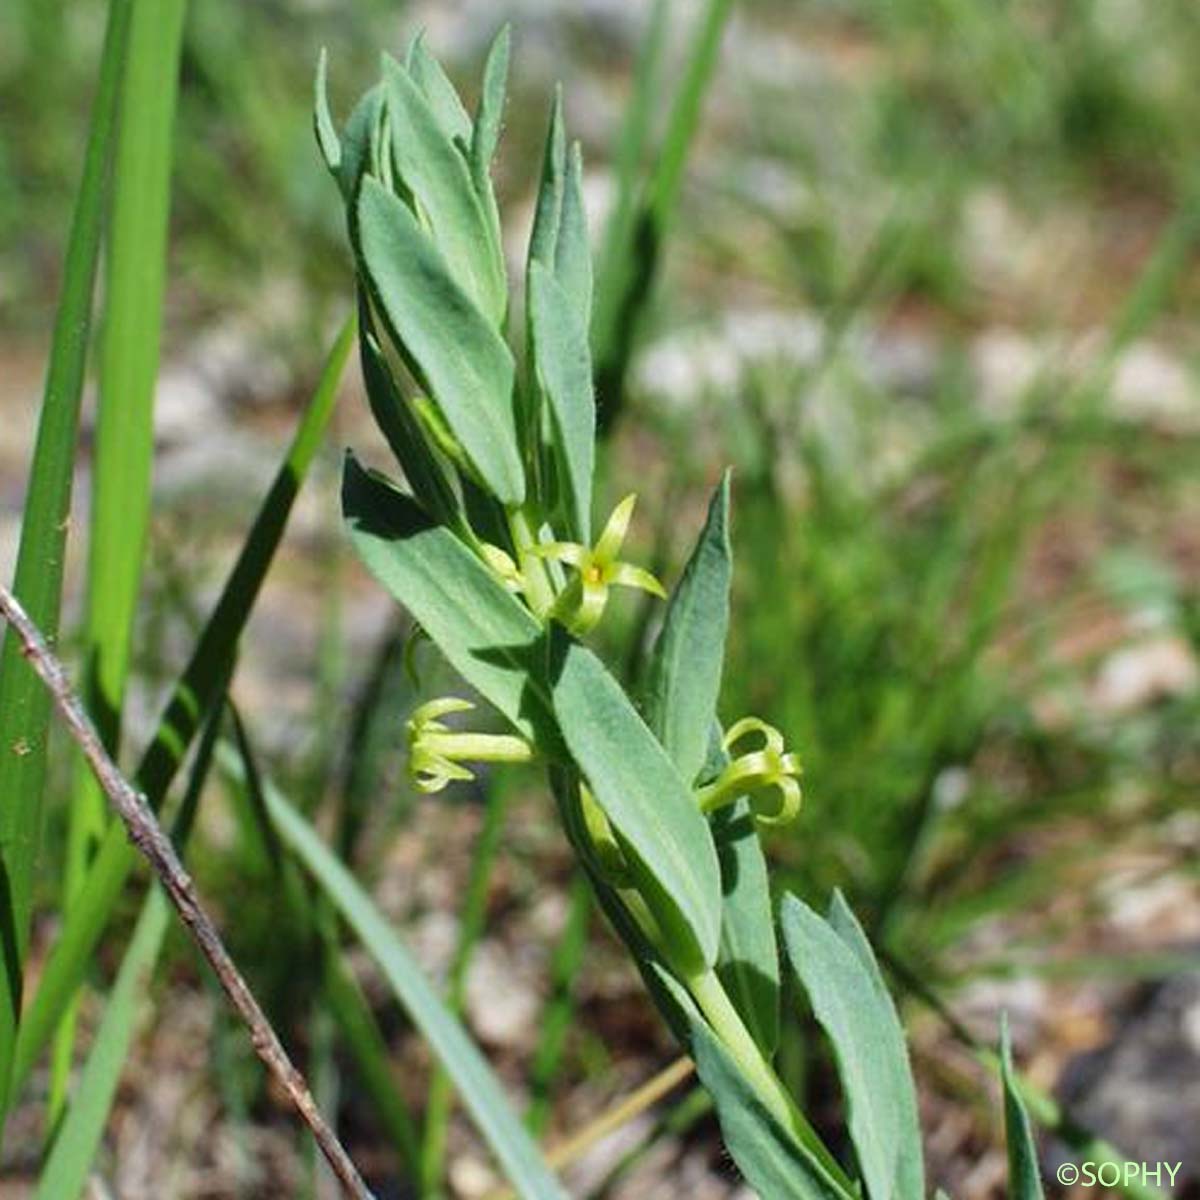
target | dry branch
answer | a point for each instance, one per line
(147, 835)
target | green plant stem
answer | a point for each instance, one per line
(709, 993)
(538, 588)
(24, 704)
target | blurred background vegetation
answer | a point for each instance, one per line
(931, 287)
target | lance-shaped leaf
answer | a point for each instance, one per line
(399, 425)
(548, 210)
(1024, 1182)
(435, 171)
(666, 840)
(910, 1168)
(487, 635)
(486, 132)
(450, 347)
(748, 960)
(328, 141)
(868, 1045)
(440, 93)
(683, 682)
(564, 370)
(684, 676)
(355, 150)
(774, 1163)
(572, 252)
(485, 135)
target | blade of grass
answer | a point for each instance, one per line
(135, 272)
(201, 679)
(623, 310)
(24, 705)
(471, 925)
(615, 265)
(478, 1086)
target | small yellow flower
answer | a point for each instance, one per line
(597, 568)
(770, 768)
(436, 753)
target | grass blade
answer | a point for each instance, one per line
(624, 294)
(24, 704)
(201, 680)
(478, 1086)
(66, 1170)
(124, 448)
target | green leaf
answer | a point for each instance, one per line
(684, 677)
(621, 263)
(487, 635)
(328, 141)
(434, 169)
(37, 583)
(548, 210)
(439, 92)
(1024, 1181)
(868, 1045)
(477, 1085)
(399, 425)
(355, 151)
(572, 252)
(486, 132)
(485, 136)
(202, 679)
(910, 1170)
(665, 838)
(564, 370)
(683, 683)
(748, 959)
(772, 1161)
(122, 457)
(453, 351)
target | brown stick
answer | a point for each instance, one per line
(147, 835)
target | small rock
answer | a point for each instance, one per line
(501, 1001)
(1158, 668)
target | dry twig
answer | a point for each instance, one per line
(147, 835)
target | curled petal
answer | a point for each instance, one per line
(432, 710)
(772, 738)
(789, 807)
(432, 772)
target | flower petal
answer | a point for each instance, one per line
(613, 537)
(627, 575)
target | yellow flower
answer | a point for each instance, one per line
(597, 568)
(436, 753)
(770, 768)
